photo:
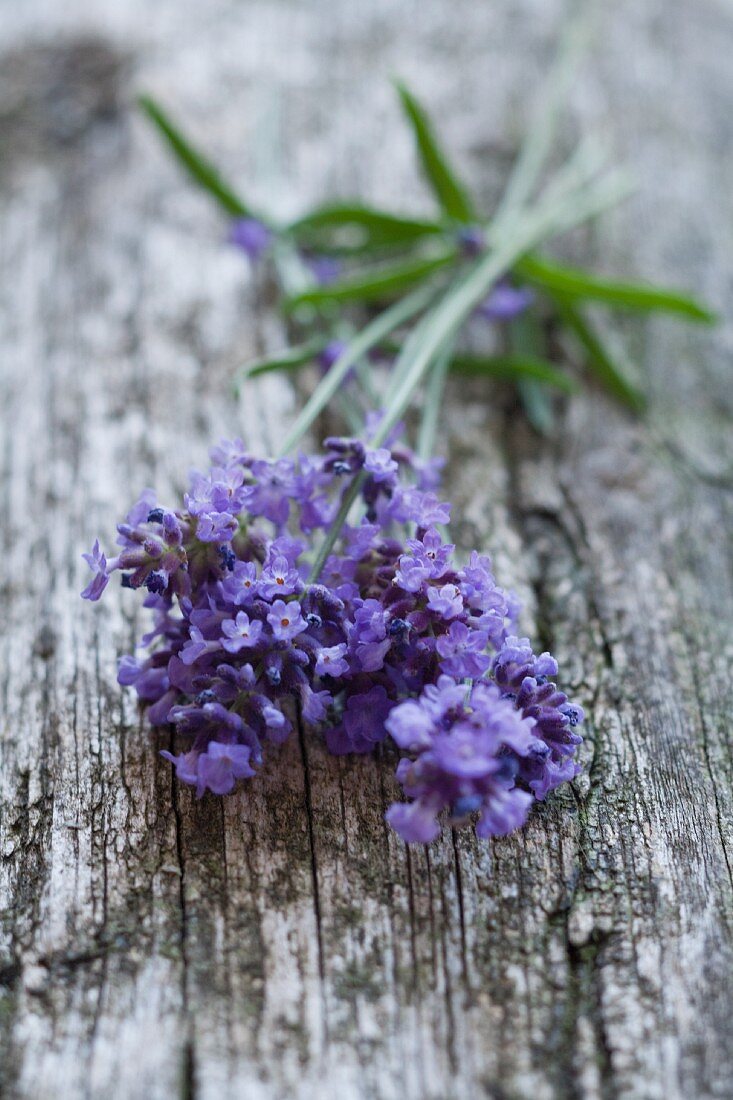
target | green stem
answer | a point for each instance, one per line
(541, 134)
(365, 381)
(335, 529)
(350, 411)
(524, 339)
(433, 402)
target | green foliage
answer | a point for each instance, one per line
(599, 361)
(375, 283)
(429, 285)
(450, 193)
(199, 169)
(512, 367)
(350, 228)
(291, 359)
(574, 284)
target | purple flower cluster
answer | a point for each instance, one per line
(467, 740)
(477, 747)
(392, 637)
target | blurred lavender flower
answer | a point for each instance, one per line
(324, 269)
(252, 236)
(505, 302)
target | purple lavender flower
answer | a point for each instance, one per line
(216, 527)
(467, 743)
(241, 586)
(217, 769)
(416, 822)
(221, 766)
(331, 660)
(426, 559)
(186, 765)
(505, 302)
(445, 601)
(230, 452)
(241, 633)
(333, 350)
(197, 646)
(278, 726)
(410, 505)
(506, 811)
(463, 652)
(525, 679)
(315, 704)
(97, 562)
(363, 724)
(251, 236)
(286, 620)
(381, 465)
(325, 269)
(273, 486)
(279, 578)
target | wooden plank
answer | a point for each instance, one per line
(285, 943)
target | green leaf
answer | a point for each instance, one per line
(434, 390)
(353, 227)
(378, 282)
(574, 283)
(200, 170)
(513, 367)
(599, 361)
(540, 136)
(450, 193)
(291, 359)
(526, 341)
(536, 404)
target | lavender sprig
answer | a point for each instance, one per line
(320, 588)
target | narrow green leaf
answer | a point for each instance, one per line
(540, 135)
(291, 359)
(347, 502)
(599, 361)
(378, 282)
(574, 283)
(200, 170)
(526, 340)
(450, 193)
(536, 404)
(353, 227)
(434, 391)
(513, 367)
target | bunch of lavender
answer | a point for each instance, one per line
(321, 589)
(369, 634)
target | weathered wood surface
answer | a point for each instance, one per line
(283, 943)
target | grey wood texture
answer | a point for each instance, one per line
(283, 943)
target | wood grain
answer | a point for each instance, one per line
(284, 943)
